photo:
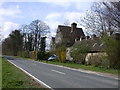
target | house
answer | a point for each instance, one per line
(96, 46)
(52, 44)
(67, 35)
(70, 36)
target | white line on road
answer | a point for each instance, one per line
(79, 70)
(39, 81)
(33, 64)
(58, 72)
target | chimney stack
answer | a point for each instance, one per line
(82, 38)
(73, 27)
(93, 37)
(110, 32)
(87, 37)
(53, 40)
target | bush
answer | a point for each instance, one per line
(112, 49)
(99, 60)
(33, 55)
(61, 53)
(42, 55)
(24, 54)
(79, 53)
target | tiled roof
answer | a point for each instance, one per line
(95, 45)
(65, 30)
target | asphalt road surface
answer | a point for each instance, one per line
(60, 77)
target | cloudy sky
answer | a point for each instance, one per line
(14, 14)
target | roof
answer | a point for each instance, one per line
(95, 45)
(69, 34)
(80, 31)
(65, 30)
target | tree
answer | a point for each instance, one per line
(79, 52)
(0, 37)
(13, 44)
(6, 45)
(25, 32)
(38, 28)
(41, 54)
(103, 17)
(43, 44)
(112, 49)
(27, 38)
(32, 34)
(111, 13)
(67, 22)
(92, 22)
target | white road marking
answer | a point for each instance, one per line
(79, 70)
(33, 64)
(58, 72)
(39, 81)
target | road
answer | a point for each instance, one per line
(60, 77)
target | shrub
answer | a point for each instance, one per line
(112, 49)
(61, 53)
(99, 60)
(95, 60)
(42, 55)
(24, 54)
(79, 53)
(33, 55)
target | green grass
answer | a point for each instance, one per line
(79, 66)
(85, 67)
(0, 72)
(12, 77)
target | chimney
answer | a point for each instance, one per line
(73, 26)
(93, 37)
(110, 32)
(53, 40)
(87, 37)
(82, 38)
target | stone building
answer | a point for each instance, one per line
(67, 35)
(52, 44)
(70, 36)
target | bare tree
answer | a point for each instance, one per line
(38, 29)
(67, 22)
(103, 17)
(93, 23)
(25, 32)
(113, 14)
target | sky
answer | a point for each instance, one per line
(14, 14)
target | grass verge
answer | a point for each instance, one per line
(0, 73)
(12, 77)
(85, 67)
(79, 66)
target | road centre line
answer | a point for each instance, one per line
(33, 64)
(80, 70)
(58, 72)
